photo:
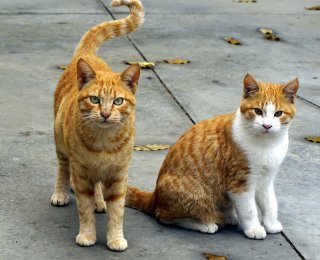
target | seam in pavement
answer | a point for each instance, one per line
(292, 245)
(308, 102)
(153, 70)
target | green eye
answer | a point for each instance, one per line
(278, 113)
(118, 101)
(94, 99)
(258, 111)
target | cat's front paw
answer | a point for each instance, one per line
(60, 199)
(273, 227)
(83, 239)
(118, 244)
(257, 232)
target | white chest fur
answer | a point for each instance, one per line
(265, 151)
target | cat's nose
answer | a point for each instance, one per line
(105, 115)
(267, 127)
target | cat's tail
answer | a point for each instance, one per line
(141, 200)
(100, 33)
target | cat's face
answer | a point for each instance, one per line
(106, 98)
(268, 108)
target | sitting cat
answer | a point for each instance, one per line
(94, 110)
(222, 167)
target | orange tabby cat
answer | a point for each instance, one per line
(94, 129)
(224, 163)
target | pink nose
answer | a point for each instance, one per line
(267, 127)
(105, 115)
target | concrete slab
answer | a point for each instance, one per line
(217, 7)
(50, 6)
(216, 65)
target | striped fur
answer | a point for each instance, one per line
(222, 163)
(94, 111)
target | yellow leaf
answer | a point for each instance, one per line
(214, 257)
(266, 31)
(176, 61)
(313, 139)
(271, 37)
(151, 147)
(142, 64)
(62, 67)
(314, 8)
(233, 41)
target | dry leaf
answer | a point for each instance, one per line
(176, 61)
(266, 31)
(214, 257)
(151, 147)
(314, 8)
(232, 40)
(313, 139)
(271, 37)
(62, 67)
(142, 64)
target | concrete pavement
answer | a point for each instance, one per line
(38, 35)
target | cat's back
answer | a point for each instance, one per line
(202, 147)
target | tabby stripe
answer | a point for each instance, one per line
(114, 197)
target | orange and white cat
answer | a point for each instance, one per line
(221, 169)
(94, 110)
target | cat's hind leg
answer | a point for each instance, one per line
(100, 204)
(60, 196)
(193, 224)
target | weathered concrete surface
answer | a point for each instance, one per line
(38, 35)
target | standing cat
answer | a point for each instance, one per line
(226, 162)
(94, 129)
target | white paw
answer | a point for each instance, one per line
(118, 244)
(83, 239)
(208, 228)
(60, 199)
(257, 232)
(273, 227)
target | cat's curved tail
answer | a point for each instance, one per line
(141, 200)
(100, 33)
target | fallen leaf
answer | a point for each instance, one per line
(142, 64)
(62, 67)
(266, 31)
(313, 139)
(176, 61)
(232, 40)
(151, 147)
(214, 257)
(314, 8)
(271, 37)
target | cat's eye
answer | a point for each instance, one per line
(118, 101)
(94, 99)
(278, 113)
(258, 111)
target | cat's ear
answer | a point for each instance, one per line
(250, 86)
(131, 76)
(290, 89)
(84, 73)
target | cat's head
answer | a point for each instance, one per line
(106, 98)
(268, 108)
